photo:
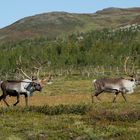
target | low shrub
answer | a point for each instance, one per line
(80, 109)
(111, 115)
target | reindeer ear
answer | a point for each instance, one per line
(133, 79)
(131, 75)
(34, 78)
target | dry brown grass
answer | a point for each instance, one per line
(64, 111)
(69, 92)
(39, 100)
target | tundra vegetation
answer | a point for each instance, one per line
(90, 52)
(63, 110)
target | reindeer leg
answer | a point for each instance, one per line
(116, 94)
(17, 100)
(124, 96)
(26, 99)
(3, 96)
(96, 94)
(92, 97)
(4, 99)
(98, 98)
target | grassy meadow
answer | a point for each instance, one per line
(63, 111)
(74, 48)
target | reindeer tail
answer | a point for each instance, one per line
(93, 81)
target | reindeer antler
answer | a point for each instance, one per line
(131, 73)
(125, 65)
(133, 66)
(19, 65)
(38, 65)
(38, 71)
(24, 73)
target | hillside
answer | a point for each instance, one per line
(54, 24)
(76, 40)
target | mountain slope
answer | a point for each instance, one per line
(61, 23)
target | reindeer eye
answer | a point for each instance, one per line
(33, 84)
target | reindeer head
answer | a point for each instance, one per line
(36, 86)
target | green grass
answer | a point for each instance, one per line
(65, 119)
(99, 121)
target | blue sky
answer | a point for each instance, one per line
(13, 10)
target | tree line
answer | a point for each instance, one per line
(106, 47)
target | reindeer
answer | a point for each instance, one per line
(16, 88)
(115, 85)
(22, 87)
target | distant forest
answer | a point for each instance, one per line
(107, 48)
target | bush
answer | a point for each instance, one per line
(80, 109)
(61, 109)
